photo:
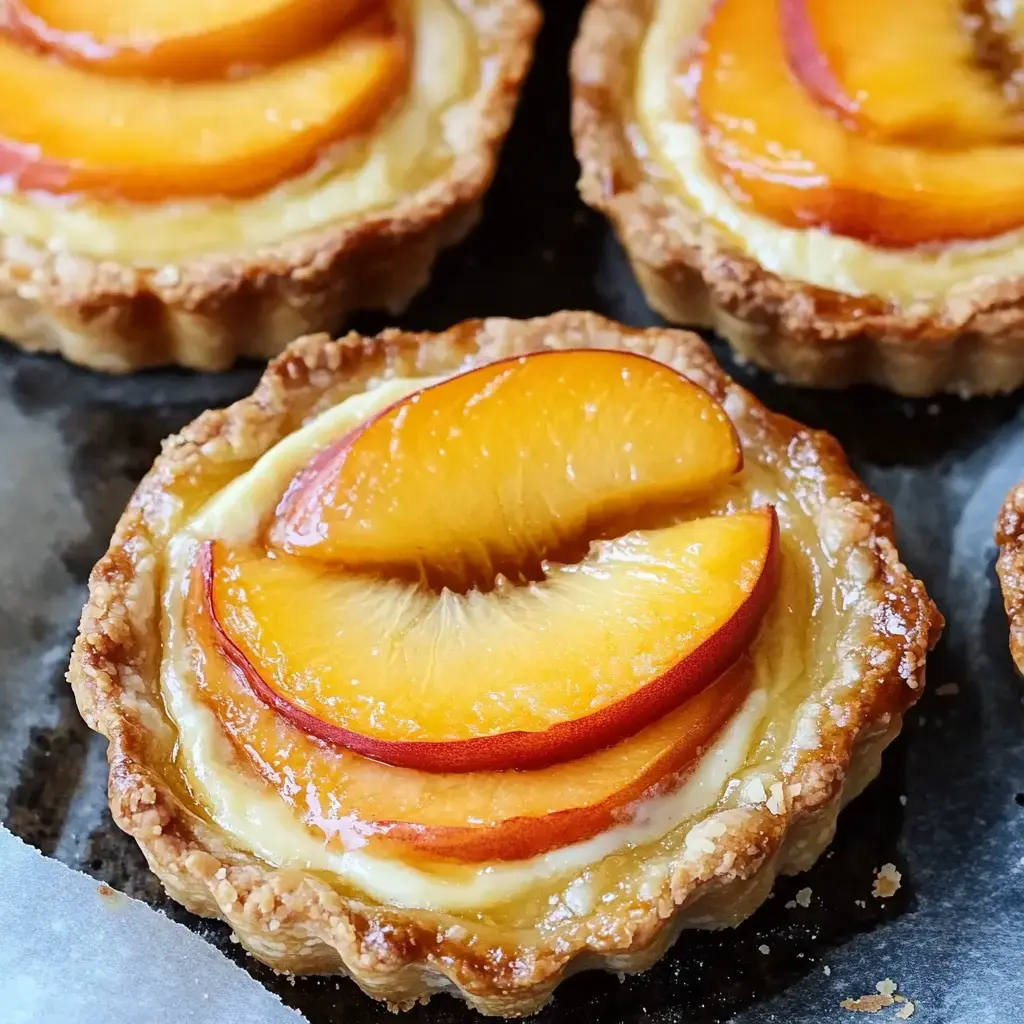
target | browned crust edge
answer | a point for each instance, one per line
(206, 312)
(1010, 568)
(296, 922)
(692, 274)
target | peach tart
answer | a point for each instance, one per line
(1010, 568)
(467, 661)
(839, 205)
(193, 182)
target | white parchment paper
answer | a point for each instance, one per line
(78, 955)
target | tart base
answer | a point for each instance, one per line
(206, 312)
(692, 274)
(212, 887)
(291, 918)
(252, 312)
(971, 363)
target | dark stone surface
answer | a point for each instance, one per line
(73, 444)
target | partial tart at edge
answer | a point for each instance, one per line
(966, 339)
(206, 308)
(724, 862)
(1010, 568)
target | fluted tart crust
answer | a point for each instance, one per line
(962, 338)
(842, 683)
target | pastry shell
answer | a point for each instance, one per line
(293, 920)
(207, 311)
(1010, 568)
(692, 274)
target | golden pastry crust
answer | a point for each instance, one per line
(207, 311)
(692, 274)
(295, 921)
(1010, 568)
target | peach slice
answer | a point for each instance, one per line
(520, 677)
(855, 58)
(187, 39)
(503, 465)
(139, 139)
(481, 816)
(797, 164)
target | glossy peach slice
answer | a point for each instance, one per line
(795, 162)
(155, 140)
(515, 678)
(502, 465)
(186, 39)
(855, 58)
(475, 817)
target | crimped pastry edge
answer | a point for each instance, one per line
(205, 312)
(292, 919)
(1010, 568)
(692, 274)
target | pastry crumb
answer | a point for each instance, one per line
(948, 690)
(827, 970)
(868, 1004)
(906, 1011)
(887, 882)
(763, 949)
(803, 897)
(777, 801)
(859, 903)
(883, 997)
(903, 799)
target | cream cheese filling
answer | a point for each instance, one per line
(256, 816)
(416, 142)
(926, 275)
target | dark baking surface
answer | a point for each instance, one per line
(948, 809)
